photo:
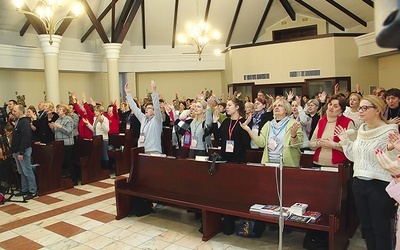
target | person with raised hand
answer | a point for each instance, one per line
(151, 121)
(283, 136)
(234, 140)
(374, 206)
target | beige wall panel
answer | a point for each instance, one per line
(186, 84)
(363, 71)
(280, 59)
(389, 72)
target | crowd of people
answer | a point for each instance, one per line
(344, 126)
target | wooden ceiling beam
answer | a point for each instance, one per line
(312, 9)
(98, 26)
(263, 18)
(207, 11)
(34, 21)
(175, 23)
(64, 25)
(233, 24)
(129, 21)
(369, 2)
(286, 5)
(102, 15)
(143, 26)
(347, 12)
(122, 19)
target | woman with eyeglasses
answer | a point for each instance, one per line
(328, 151)
(374, 206)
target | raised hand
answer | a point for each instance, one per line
(215, 116)
(322, 96)
(83, 97)
(341, 133)
(394, 141)
(127, 89)
(393, 167)
(153, 86)
(358, 89)
(92, 101)
(290, 95)
(294, 128)
(337, 86)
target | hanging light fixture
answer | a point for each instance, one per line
(199, 35)
(46, 13)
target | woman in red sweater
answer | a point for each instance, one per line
(113, 118)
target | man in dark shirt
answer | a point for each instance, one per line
(21, 150)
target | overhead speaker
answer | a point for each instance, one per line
(387, 23)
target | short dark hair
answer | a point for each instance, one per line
(341, 99)
(13, 101)
(393, 92)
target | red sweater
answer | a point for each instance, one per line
(84, 131)
(114, 121)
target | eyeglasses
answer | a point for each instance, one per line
(364, 108)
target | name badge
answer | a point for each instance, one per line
(272, 144)
(230, 146)
(128, 126)
(194, 142)
(142, 137)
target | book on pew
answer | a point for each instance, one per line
(274, 210)
(256, 208)
(298, 218)
(313, 215)
(307, 217)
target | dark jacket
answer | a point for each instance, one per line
(21, 138)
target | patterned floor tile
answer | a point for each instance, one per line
(20, 243)
(13, 209)
(65, 229)
(100, 216)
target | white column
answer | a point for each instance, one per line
(50, 53)
(112, 55)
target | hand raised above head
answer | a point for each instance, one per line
(127, 89)
(153, 84)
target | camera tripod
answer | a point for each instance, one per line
(11, 181)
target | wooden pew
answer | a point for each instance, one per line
(49, 172)
(123, 157)
(232, 189)
(91, 170)
(306, 160)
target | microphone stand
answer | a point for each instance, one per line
(281, 221)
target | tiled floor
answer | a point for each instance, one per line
(84, 218)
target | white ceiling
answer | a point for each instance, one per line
(159, 18)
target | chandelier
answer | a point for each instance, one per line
(199, 35)
(46, 14)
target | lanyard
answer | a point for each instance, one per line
(195, 128)
(146, 122)
(230, 129)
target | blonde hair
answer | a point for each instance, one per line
(65, 108)
(286, 105)
(378, 103)
(99, 108)
(201, 117)
(50, 105)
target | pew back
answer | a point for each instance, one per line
(49, 172)
(238, 184)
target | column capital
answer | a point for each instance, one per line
(50, 49)
(112, 50)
